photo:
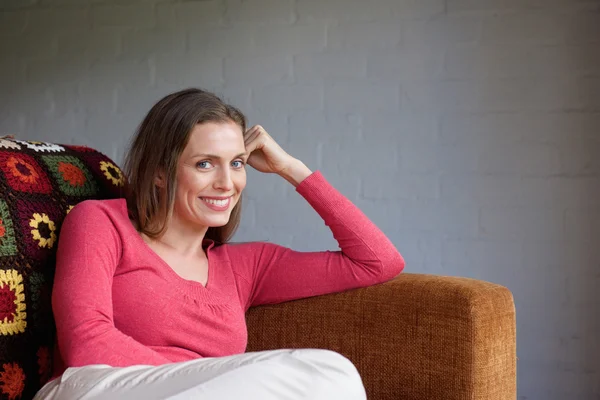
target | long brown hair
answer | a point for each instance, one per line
(156, 148)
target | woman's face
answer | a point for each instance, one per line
(211, 174)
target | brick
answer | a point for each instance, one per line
(135, 104)
(134, 16)
(484, 129)
(94, 45)
(527, 160)
(522, 223)
(276, 124)
(143, 43)
(322, 130)
(478, 190)
(272, 213)
(536, 27)
(287, 98)
(473, 257)
(453, 6)
(190, 14)
(238, 95)
(550, 287)
(580, 158)
(502, 95)
(189, 70)
(589, 93)
(405, 63)
(16, 4)
(559, 128)
(361, 96)
(14, 123)
(129, 73)
(364, 35)
(400, 185)
(297, 39)
(515, 60)
(582, 225)
(12, 73)
(260, 11)
(308, 151)
(64, 19)
(115, 125)
(579, 255)
(234, 41)
(441, 32)
(417, 9)
(348, 154)
(559, 191)
(330, 66)
(31, 47)
(436, 159)
(402, 129)
(29, 101)
(258, 70)
(435, 217)
(421, 252)
(63, 128)
(65, 98)
(12, 23)
(345, 10)
(583, 27)
(323, 126)
(98, 98)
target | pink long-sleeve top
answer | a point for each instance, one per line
(116, 302)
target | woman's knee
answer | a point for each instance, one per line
(337, 371)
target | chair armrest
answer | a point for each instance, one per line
(417, 336)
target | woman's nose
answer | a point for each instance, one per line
(223, 180)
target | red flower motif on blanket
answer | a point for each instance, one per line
(12, 380)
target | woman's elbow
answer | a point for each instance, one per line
(392, 266)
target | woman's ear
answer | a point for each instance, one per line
(159, 180)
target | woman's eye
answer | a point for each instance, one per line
(237, 164)
(203, 164)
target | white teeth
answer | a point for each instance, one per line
(220, 203)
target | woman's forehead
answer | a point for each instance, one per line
(216, 136)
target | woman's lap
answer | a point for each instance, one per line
(277, 374)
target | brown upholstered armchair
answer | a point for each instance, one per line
(417, 337)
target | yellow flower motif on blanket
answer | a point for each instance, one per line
(44, 230)
(112, 173)
(12, 303)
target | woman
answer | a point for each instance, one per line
(149, 298)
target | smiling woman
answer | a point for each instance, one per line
(187, 123)
(152, 305)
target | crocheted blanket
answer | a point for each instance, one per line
(39, 184)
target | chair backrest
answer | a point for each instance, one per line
(39, 183)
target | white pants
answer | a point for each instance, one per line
(267, 375)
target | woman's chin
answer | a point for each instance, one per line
(216, 222)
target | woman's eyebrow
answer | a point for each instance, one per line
(214, 156)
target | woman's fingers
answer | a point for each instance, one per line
(250, 135)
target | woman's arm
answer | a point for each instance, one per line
(89, 250)
(276, 273)
(272, 273)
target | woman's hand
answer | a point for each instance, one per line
(265, 155)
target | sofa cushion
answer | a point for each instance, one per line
(39, 184)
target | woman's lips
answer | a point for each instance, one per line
(216, 204)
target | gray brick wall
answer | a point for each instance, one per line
(468, 130)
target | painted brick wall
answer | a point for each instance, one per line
(469, 130)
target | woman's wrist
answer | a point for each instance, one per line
(296, 172)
